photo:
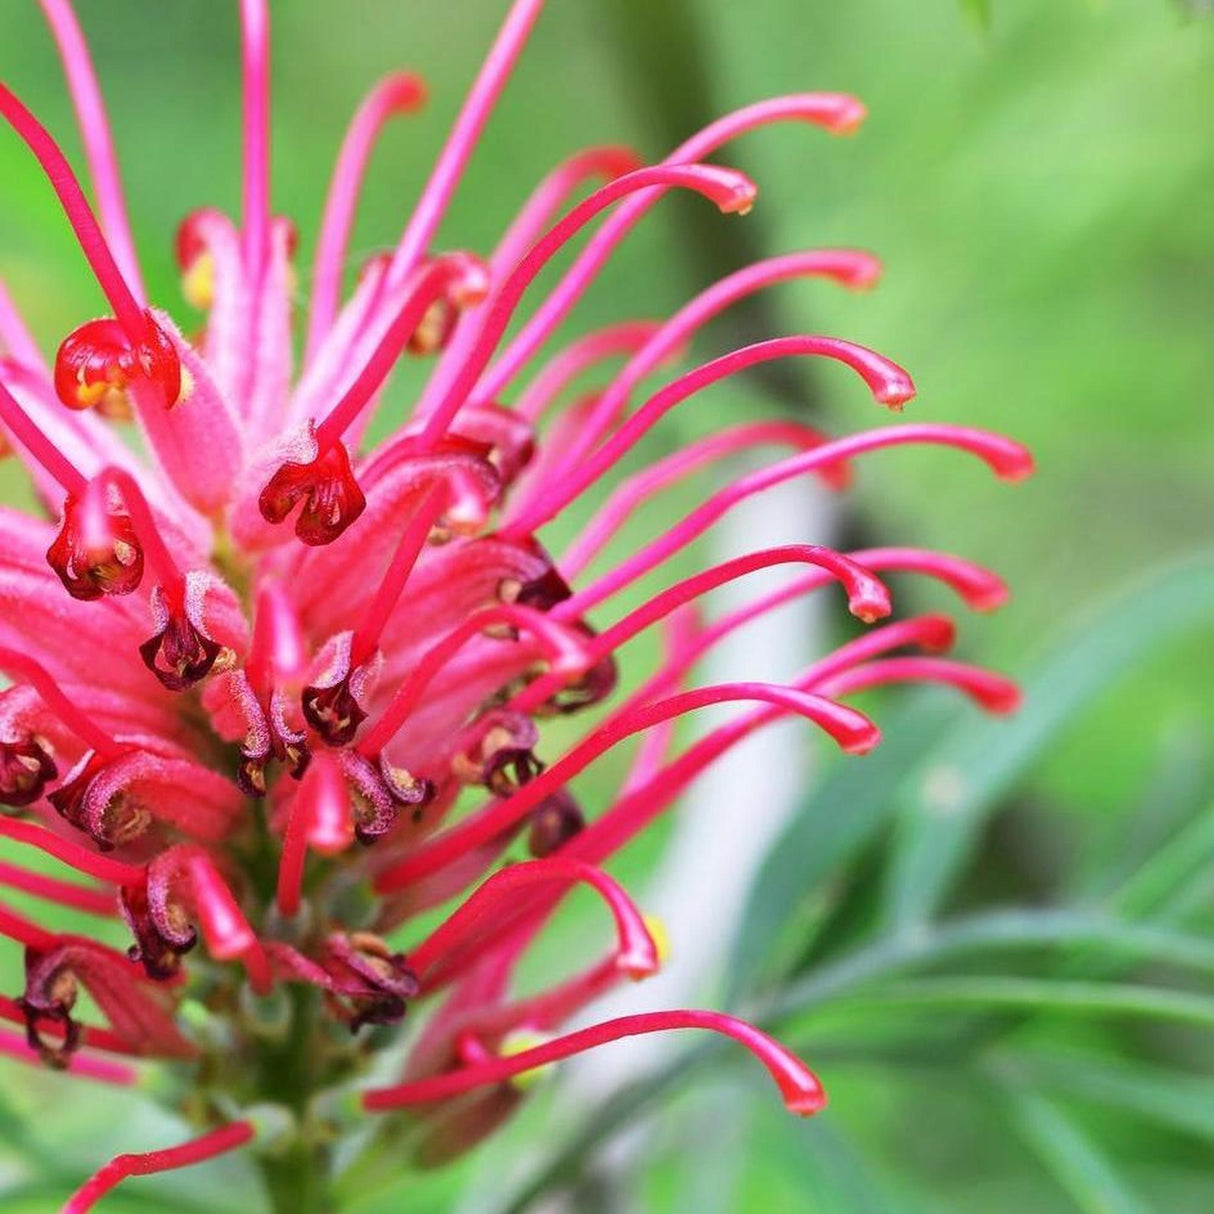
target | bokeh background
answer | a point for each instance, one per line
(1040, 184)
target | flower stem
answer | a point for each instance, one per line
(298, 1179)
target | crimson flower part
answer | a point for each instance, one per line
(26, 768)
(331, 496)
(179, 653)
(97, 363)
(96, 553)
(554, 822)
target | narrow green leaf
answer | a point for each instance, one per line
(1073, 1159)
(1178, 788)
(998, 930)
(982, 760)
(835, 1174)
(1169, 1098)
(1040, 995)
(1162, 880)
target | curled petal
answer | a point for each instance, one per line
(332, 701)
(116, 800)
(98, 363)
(25, 770)
(140, 1013)
(554, 821)
(384, 981)
(500, 754)
(378, 792)
(97, 551)
(162, 930)
(331, 497)
(179, 653)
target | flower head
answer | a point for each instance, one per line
(258, 678)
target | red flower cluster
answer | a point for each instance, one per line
(267, 756)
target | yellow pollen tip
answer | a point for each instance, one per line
(93, 394)
(198, 282)
(656, 927)
(187, 387)
(519, 1042)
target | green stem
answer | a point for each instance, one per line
(298, 1179)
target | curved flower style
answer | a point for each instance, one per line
(275, 694)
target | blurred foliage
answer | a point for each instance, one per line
(1041, 185)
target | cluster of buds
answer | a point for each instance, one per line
(275, 693)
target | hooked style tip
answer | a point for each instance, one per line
(26, 767)
(860, 740)
(1006, 458)
(999, 695)
(897, 389)
(646, 957)
(742, 200)
(988, 594)
(846, 115)
(858, 270)
(1017, 464)
(406, 91)
(733, 192)
(936, 633)
(868, 609)
(807, 1102)
(638, 965)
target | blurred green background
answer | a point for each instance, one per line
(1040, 187)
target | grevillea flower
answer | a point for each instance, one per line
(275, 692)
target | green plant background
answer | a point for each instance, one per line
(1040, 184)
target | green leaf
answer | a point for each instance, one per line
(836, 1176)
(1178, 788)
(1076, 1163)
(1149, 1093)
(998, 930)
(1162, 885)
(982, 760)
(1039, 995)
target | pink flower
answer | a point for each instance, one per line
(255, 674)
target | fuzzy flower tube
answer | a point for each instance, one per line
(273, 692)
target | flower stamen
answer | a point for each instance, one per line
(564, 649)
(399, 93)
(731, 191)
(798, 1086)
(853, 732)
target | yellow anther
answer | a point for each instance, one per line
(198, 282)
(656, 926)
(519, 1042)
